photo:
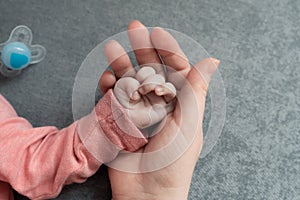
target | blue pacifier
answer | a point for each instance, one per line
(17, 52)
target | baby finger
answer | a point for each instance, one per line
(167, 90)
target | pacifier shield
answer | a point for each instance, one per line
(17, 52)
(17, 61)
(16, 55)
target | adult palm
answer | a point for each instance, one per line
(181, 129)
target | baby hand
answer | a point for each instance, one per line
(146, 96)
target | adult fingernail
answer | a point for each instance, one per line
(215, 61)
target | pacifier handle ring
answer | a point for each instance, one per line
(17, 52)
(38, 53)
(22, 34)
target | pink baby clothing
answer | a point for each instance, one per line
(37, 162)
(5, 191)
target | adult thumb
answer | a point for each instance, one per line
(200, 75)
(191, 98)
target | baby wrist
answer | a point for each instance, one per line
(108, 130)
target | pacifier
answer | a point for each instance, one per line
(17, 52)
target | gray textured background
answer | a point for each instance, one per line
(258, 42)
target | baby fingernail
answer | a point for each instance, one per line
(141, 90)
(159, 90)
(135, 96)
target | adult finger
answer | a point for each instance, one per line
(118, 59)
(191, 105)
(192, 96)
(173, 57)
(107, 81)
(144, 51)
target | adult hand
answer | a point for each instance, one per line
(172, 181)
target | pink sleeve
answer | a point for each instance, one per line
(37, 162)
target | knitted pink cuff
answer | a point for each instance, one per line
(108, 129)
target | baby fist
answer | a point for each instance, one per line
(146, 96)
